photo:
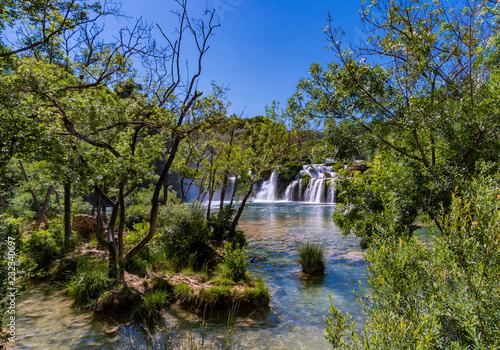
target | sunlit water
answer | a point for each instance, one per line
(294, 319)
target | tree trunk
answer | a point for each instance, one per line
(222, 196)
(57, 202)
(113, 273)
(37, 204)
(100, 221)
(121, 262)
(165, 190)
(41, 212)
(232, 231)
(154, 205)
(67, 213)
(232, 200)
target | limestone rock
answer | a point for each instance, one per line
(84, 225)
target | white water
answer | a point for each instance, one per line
(317, 189)
(268, 189)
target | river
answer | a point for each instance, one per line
(294, 319)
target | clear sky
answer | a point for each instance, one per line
(263, 47)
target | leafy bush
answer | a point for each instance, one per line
(184, 234)
(162, 284)
(234, 264)
(311, 258)
(443, 296)
(43, 247)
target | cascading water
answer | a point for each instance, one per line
(268, 189)
(314, 183)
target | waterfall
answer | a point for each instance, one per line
(268, 189)
(314, 183)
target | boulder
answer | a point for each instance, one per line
(304, 173)
(361, 167)
(84, 225)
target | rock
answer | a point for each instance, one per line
(361, 167)
(304, 173)
(327, 174)
(84, 225)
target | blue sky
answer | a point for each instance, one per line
(262, 47)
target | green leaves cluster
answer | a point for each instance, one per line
(440, 294)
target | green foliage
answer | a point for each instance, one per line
(390, 187)
(44, 246)
(444, 295)
(88, 285)
(234, 264)
(184, 235)
(312, 258)
(162, 284)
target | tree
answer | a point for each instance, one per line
(427, 96)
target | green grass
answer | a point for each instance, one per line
(258, 293)
(215, 295)
(88, 285)
(153, 302)
(183, 293)
(311, 258)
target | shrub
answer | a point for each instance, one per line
(184, 234)
(234, 264)
(44, 247)
(311, 258)
(162, 284)
(444, 296)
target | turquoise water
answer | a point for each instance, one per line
(293, 320)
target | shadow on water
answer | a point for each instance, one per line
(293, 320)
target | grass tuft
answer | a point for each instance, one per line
(311, 258)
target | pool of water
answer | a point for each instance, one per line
(293, 320)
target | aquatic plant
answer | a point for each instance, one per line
(311, 258)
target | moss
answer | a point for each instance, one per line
(305, 181)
